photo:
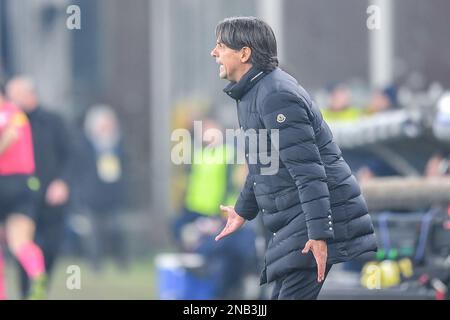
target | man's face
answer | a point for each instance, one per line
(229, 60)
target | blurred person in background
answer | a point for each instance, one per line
(17, 197)
(339, 108)
(101, 185)
(184, 113)
(52, 150)
(212, 169)
(363, 162)
(381, 101)
(371, 165)
(213, 181)
(438, 165)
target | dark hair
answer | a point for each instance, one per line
(239, 32)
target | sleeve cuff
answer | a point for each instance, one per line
(320, 229)
(246, 214)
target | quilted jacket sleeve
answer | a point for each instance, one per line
(300, 154)
(246, 205)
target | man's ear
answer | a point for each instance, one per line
(246, 54)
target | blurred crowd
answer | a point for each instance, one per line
(348, 104)
(72, 180)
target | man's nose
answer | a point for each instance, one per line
(213, 53)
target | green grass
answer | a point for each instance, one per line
(110, 283)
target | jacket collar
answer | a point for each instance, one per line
(237, 90)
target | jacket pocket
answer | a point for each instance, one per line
(287, 200)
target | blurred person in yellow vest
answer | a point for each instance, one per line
(214, 181)
(209, 182)
(339, 108)
(184, 113)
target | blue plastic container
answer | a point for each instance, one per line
(177, 282)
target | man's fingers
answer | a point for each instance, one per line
(234, 222)
(320, 255)
(224, 233)
(320, 271)
(221, 235)
(225, 211)
(321, 262)
(306, 248)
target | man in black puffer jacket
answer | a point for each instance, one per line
(311, 202)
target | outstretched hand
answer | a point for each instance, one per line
(234, 222)
(319, 250)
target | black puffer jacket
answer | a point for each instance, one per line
(312, 194)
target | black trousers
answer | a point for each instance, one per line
(299, 285)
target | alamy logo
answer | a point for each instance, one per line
(73, 281)
(372, 277)
(252, 146)
(74, 20)
(374, 19)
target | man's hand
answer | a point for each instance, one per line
(234, 222)
(57, 193)
(319, 250)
